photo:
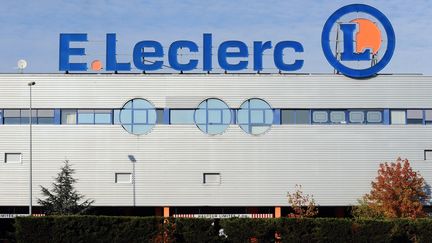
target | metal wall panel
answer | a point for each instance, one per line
(336, 163)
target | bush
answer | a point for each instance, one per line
(87, 229)
(243, 229)
(154, 229)
(195, 230)
(296, 229)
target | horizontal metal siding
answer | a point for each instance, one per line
(334, 162)
(315, 91)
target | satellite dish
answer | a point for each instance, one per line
(22, 64)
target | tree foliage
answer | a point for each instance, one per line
(63, 199)
(303, 205)
(397, 192)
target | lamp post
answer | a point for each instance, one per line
(133, 160)
(30, 84)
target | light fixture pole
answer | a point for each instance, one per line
(133, 160)
(30, 84)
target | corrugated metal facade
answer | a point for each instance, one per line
(335, 163)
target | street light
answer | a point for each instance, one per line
(30, 84)
(133, 160)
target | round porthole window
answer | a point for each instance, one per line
(138, 116)
(255, 116)
(212, 116)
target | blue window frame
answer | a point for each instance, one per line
(212, 116)
(138, 116)
(255, 116)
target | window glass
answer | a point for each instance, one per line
(255, 116)
(320, 116)
(68, 116)
(374, 117)
(116, 116)
(398, 117)
(428, 115)
(12, 120)
(182, 116)
(356, 116)
(85, 116)
(45, 120)
(138, 116)
(288, 116)
(45, 113)
(414, 116)
(12, 113)
(102, 116)
(26, 112)
(25, 120)
(212, 116)
(160, 116)
(302, 117)
(337, 117)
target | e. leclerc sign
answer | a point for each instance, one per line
(362, 41)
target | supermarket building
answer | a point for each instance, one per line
(201, 143)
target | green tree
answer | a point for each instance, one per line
(63, 199)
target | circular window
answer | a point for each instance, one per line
(138, 116)
(212, 116)
(255, 116)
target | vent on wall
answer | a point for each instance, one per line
(123, 178)
(13, 158)
(428, 154)
(211, 178)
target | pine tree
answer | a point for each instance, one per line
(397, 191)
(63, 199)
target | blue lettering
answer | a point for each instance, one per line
(348, 53)
(140, 55)
(111, 60)
(66, 51)
(207, 52)
(278, 55)
(223, 54)
(259, 48)
(172, 55)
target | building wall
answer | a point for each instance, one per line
(336, 163)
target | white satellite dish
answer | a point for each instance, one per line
(22, 64)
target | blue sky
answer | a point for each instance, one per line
(30, 29)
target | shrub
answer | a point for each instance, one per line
(154, 229)
(244, 229)
(87, 229)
